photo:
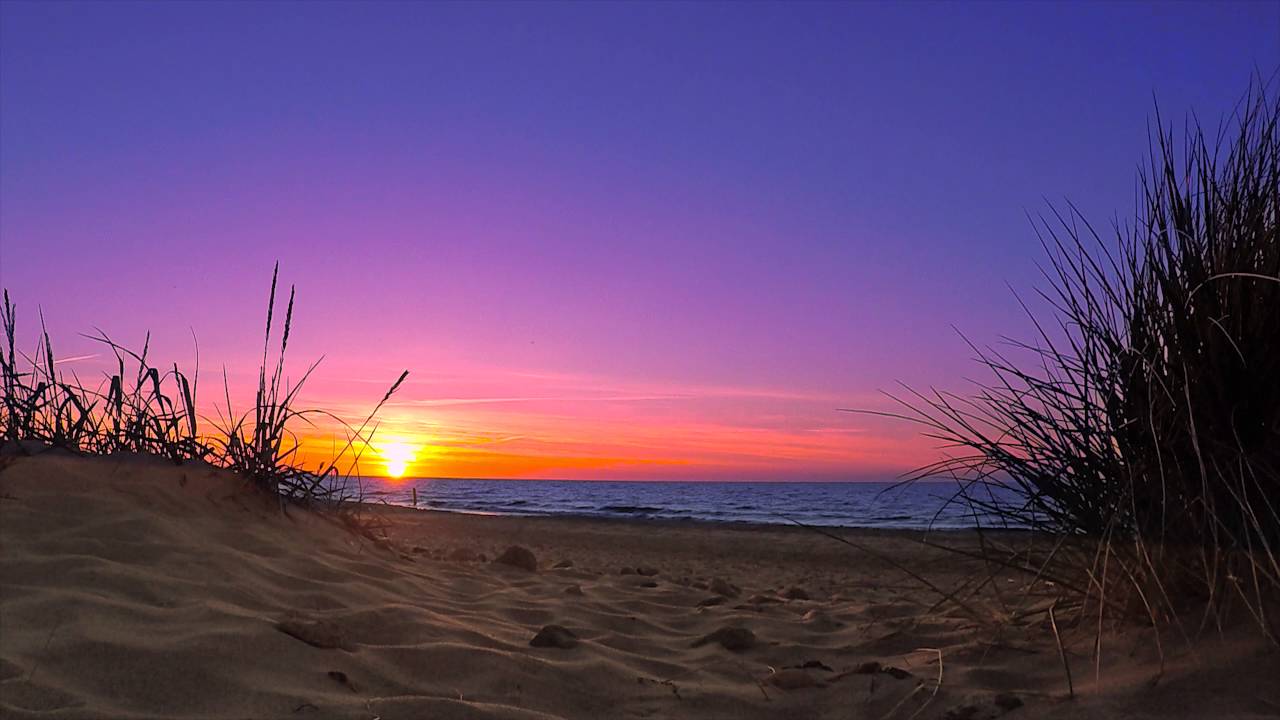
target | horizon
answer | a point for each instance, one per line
(609, 242)
(403, 479)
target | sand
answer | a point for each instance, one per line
(130, 588)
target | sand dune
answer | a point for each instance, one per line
(129, 588)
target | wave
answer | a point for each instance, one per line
(821, 504)
(632, 509)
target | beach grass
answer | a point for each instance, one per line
(139, 408)
(1140, 427)
(142, 409)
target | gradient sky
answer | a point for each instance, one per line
(609, 240)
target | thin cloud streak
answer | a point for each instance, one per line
(448, 402)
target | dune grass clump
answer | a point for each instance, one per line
(138, 409)
(142, 409)
(1142, 426)
(260, 444)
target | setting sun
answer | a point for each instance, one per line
(396, 456)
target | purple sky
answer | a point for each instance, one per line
(632, 240)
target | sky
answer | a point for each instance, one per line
(608, 240)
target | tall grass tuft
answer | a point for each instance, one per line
(142, 409)
(138, 409)
(261, 445)
(1142, 425)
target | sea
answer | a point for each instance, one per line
(920, 505)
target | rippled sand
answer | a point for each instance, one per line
(136, 589)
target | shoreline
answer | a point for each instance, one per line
(744, 525)
(879, 505)
(43, 450)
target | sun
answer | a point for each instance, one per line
(396, 457)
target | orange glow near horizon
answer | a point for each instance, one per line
(591, 429)
(632, 438)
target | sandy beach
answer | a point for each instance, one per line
(130, 588)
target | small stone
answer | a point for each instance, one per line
(573, 590)
(418, 549)
(720, 586)
(341, 678)
(713, 600)
(793, 679)
(871, 667)
(563, 565)
(820, 621)
(796, 593)
(735, 639)
(646, 571)
(554, 636)
(647, 584)
(759, 599)
(520, 557)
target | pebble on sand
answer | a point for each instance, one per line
(796, 593)
(573, 590)
(735, 639)
(342, 679)
(646, 571)
(720, 586)
(563, 564)
(821, 621)
(793, 679)
(554, 636)
(520, 557)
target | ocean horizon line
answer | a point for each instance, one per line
(677, 481)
